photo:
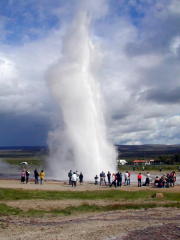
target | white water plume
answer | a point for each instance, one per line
(81, 143)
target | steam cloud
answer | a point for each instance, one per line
(80, 143)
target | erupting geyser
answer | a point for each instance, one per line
(81, 143)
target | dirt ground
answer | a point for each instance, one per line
(64, 186)
(144, 224)
(159, 223)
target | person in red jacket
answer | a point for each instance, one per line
(139, 177)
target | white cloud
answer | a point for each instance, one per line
(23, 69)
(127, 76)
(174, 6)
(173, 121)
(175, 45)
(135, 61)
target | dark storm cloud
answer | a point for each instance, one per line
(162, 96)
(163, 75)
(120, 115)
(23, 130)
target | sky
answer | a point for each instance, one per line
(139, 47)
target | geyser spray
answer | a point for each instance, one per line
(80, 142)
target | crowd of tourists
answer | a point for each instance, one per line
(165, 181)
(108, 179)
(74, 177)
(38, 176)
(114, 179)
(118, 179)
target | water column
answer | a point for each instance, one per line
(81, 143)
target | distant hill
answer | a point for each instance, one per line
(124, 151)
(23, 151)
(146, 151)
(33, 148)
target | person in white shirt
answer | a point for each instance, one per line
(74, 179)
(126, 175)
(147, 181)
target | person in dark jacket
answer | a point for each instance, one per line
(109, 177)
(27, 176)
(96, 179)
(70, 176)
(119, 179)
(36, 176)
(81, 178)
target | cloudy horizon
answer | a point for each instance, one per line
(139, 53)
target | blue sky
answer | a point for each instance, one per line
(140, 46)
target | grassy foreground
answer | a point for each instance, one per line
(19, 194)
(84, 208)
(148, 200)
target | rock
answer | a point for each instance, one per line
(159, 195)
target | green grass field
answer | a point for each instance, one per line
(17, 194)
(32, 161)
(164, 167)
(147, 198)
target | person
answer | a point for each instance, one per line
(42, 176)
(27, 176)
(81, 178)
(114, 180)
(119, 179)
(147, 181)
(167, 180)
(172, 178)
(23, 175)
(36, 176)
(96, 179)
(156, 181)
(139, 177)
(162, 182)
(109, 177)
(102, 178)
(70, 176)
(74, 179)
(126, 178)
